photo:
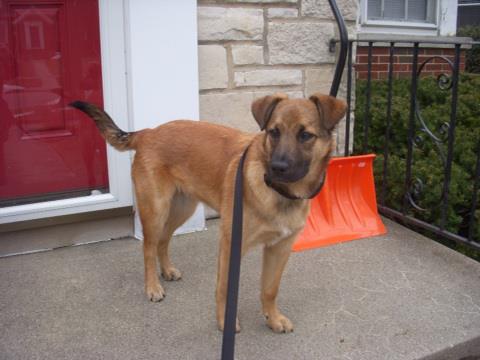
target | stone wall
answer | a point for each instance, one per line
(251, 48)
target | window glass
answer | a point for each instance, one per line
(374, 9)
(401, 10)
(394, 10)
(417, 10)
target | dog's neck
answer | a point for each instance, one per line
(285, 193)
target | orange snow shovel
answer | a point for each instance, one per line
(346, 208)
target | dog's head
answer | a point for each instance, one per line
(298, 136)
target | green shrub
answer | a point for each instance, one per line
(472, 56)
(435, 106)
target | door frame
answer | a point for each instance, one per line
(115, 98)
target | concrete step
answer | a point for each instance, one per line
(399, 296)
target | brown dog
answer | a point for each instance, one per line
(183, 162)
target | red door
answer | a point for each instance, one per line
(49, 56)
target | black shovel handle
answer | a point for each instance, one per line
(342, 29)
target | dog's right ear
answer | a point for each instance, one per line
(262, 109)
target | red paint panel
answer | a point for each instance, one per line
(38, 63)
(49, 56)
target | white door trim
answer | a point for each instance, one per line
(112, 42)
(162, 55)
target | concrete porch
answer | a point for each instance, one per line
(399, 296)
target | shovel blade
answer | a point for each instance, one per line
(346, 208)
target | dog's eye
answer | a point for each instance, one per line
(274, 133)
(305, 136)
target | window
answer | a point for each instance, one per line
(468, 13)
(402, 10)
(409, 17)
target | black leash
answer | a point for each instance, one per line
(228, 344)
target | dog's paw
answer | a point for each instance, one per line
(155, 292)
(221, 325)
(279, 324)
(171, 274)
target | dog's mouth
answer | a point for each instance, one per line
(283, 172)
(282, 188)
(287, 178)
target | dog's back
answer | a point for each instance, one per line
(181, 150)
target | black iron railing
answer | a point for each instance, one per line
(409, 209)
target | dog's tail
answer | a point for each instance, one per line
(115, 136)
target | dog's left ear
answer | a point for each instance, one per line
(331, 109)
(262, 109)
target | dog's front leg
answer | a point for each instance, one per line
(222, 276)
(275, 258)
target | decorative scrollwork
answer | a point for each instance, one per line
(444, 130)
(418, 140)
(444, 81)
(415, 193)
(417, 186)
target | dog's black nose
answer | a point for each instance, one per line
(279, 166)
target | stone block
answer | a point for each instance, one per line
(340, 133)
(282, 13)
(319, 79)
(216, 23)
(300, 43)
(321, 9)
(268, 77)
(247, 55)
(212, 67)
(233, 109)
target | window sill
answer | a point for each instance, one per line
(390, 29)
(400, 24)
(406, 40)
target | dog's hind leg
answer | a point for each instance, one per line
(153, 201)
(181, 208)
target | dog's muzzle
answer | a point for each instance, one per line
(282, 171)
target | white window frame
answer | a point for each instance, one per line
(445, 22)
(112, 42)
